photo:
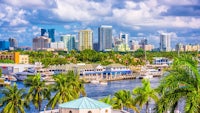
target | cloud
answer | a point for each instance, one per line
(76, 10)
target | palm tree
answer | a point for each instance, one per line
(67, 87)
(13, 100)
(123, 98)
(107, 100)
(37, 91)
(183, 82)
(144, 94)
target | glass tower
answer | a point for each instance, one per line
(105, 38)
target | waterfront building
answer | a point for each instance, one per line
(161, 61)
(69, 41)
(85, 39)
(165, 42)
(13, 43)
(105, 38)
(93, 71)
(15, 57)
(41, 43)
(4, 45)
(57, 45)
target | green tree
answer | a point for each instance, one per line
(67, 87)
(13, 100)
(123, 98)
(183, 82)
(37, 91)
(144, 94)
(0, 72)
(107, 100)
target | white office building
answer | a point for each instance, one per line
(165, 42)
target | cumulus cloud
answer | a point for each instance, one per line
(134, 16)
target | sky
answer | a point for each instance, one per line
(23, 19)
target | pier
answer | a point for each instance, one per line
(107, 77)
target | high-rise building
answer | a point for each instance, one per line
(69, 41)
(4, 45)
(57, 45)
(85, 39)
(51, 33)
(143, 42)
(13, 42)
(124, 38)
(165, 44)
(105, 38)
(43, 32)
(41, 43)
(95, 46)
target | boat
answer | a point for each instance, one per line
(31, 72)
(94, 81)
(103, 82)
(9, 78)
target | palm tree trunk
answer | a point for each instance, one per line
(122, 107)
(147, 106)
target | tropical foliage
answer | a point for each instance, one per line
(67, 87)
(13, 100)
(183, 83)
(38, 91)
(144, 94)
(122, 99)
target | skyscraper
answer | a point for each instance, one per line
(69, 41)
(4, 45)
(165, 44)
(41, 43)
(124, 38)
(105, 38)
(13, 42)
(85, 39)
(51, 34)
(43, 31)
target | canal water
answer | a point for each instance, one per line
(97, 91)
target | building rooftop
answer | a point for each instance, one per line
(84, 103)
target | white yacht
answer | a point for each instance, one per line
(31, 72)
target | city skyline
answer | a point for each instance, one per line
(23, 21)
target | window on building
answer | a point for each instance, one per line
(89, 111)
(70, 111)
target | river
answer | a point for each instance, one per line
(97, 91)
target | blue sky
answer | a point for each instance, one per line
(23, 19)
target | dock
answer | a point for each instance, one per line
(109, 77)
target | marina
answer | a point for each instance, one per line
(97, 91)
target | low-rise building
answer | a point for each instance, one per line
(161, 61)
(15, 57)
